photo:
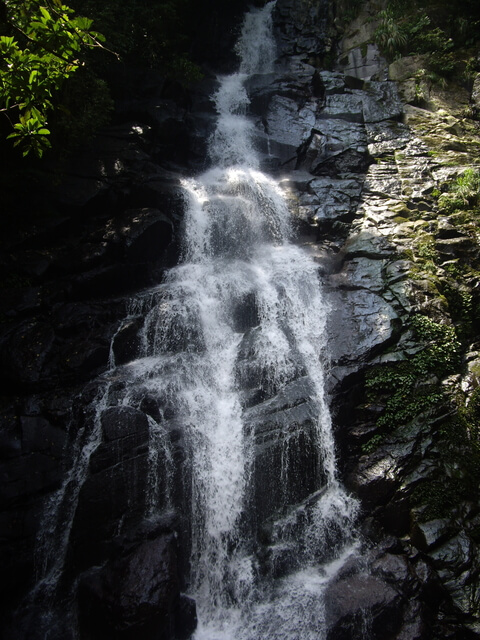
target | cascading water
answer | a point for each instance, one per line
(245, 309)
(232, 351)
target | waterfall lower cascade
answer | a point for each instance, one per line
(228, 337)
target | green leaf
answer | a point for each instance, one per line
(82, 23)
(98, 36)
(45, 13)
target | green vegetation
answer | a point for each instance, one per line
(447, 34)
(411, 387)
(423, 388)
(43, 47)
(411, 392)
(55, 70)
(389, 35)
(462, 193)
(459, 447)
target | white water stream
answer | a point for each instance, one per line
(239, 258)
(238, 244)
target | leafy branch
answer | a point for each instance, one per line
(35, 62)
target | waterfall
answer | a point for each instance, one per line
(233, 350)
(246, 307)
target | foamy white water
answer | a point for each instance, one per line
(238, 246)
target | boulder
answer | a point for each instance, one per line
(360, 604)
(138, 595)
(359, 325)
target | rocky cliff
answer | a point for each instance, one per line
(371, 175)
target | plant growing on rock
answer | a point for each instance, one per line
(446, 36)
(463, 193)
(389, 35)
(411, 387)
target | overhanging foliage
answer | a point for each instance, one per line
(42, 45)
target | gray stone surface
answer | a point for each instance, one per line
(366, 63)
(351, 600)
(360, 323)
(360, 273)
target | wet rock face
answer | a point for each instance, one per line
(361, 167)
(351, 602)
(67, 287)
(301, 27)
(395, 456)
(138, 595)
(56, 333)
(285, 447)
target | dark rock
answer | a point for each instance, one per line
(101, 164)
(285, 444)
(185, 614)
(246, 313)
(364, 63)
(360, 604)
(16, 301)
(455, 555)
(346, 106)
(334, 147)
(145, 235)
(381, 102)
(119, 422)
(70, 319)
(361, 323)
(10, 433)
(19, 526)
(28, 475)
(113, 496)
(415, 624)
(301, 28)
(426, 535)
(374, 480)
(81, 357)
(455, 246)
(394, 569)
(112, 280)
(137, 596)
(126, 341)
(24, 351)
(385, 137)
(396, 516)
(39, 435)
(33, 263)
